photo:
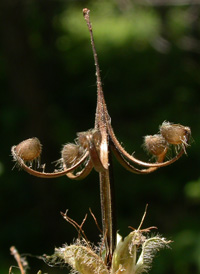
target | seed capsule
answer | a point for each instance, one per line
(29, 150)
(155, 144)
(175, 134)
(71, 154)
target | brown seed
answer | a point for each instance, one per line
(71, 154)
(155, 144)
(29, 149)
(175, 134)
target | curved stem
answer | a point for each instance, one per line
(130, 167)
(44, 174)
(135, 160)
(81, 174)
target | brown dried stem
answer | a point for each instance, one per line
(18, 258)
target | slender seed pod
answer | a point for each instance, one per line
(71, 154)
(175, 134)
(29, 150)
(155, 144)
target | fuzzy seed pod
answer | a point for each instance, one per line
(29, 150)
(71, 154)
(175, 134)
(155, 144)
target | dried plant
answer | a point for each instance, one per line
(92, 149)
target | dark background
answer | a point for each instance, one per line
(149, 54)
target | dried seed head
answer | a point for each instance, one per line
(29, 150)
(85, 137)
(97, 138)
(71, 154)
(175, 134)
(155, 144)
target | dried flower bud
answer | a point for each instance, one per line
(175, 134)
(155, 144)
(71, 154)
(29, 150)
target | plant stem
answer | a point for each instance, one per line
(108, 209)
(105, 176)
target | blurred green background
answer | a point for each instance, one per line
(149, 54)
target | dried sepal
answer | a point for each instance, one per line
(29, 149)
(86, 137)
(71, 154)
(175, 134)
(155, 144)
(91, 140)
(80, 257)
(27, 152)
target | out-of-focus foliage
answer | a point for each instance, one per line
(149, 58)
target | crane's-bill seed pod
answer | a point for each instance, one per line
(29, 149)
(175, 134)
(155, 144)
(71, 154)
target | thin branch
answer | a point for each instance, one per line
(76, 225)
(18, 258)
(95, 219)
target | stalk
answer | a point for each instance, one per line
(108, 210)
(105, 176)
